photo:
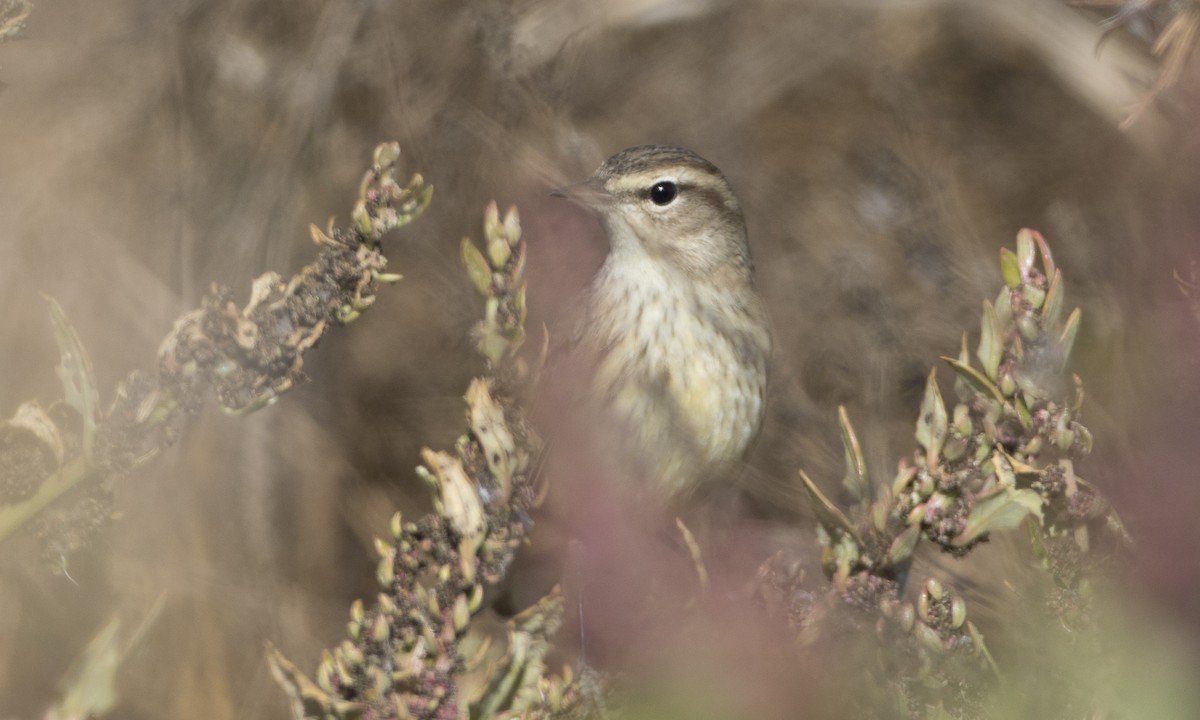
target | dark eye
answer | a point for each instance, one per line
(662, 193)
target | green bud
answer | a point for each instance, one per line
(1007, 384)
(386, 154)
(958, 612)
(955, 448)
(325, 672)
(962, 421)
(462, 613)
(934, 588)
(928, 637)
(351, 654)
(385, 572)
(381, 630)
(1028, 326)
(1033, 295)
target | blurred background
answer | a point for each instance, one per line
(883, 151)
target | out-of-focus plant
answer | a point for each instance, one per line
(1176, 34)
(13, 14)
(1000, 457)
(90, 686)
(404, 657)
(58, 466)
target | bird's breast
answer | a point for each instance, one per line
(679, 364)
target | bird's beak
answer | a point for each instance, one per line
(590, 193)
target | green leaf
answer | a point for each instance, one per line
(1067, 339)
(1023, 414)
(1009, 268)
(90, 686)
(1044, 249)
(1026, 254)
(932, 424)
(904, 476)
(902, 547)
(981, 649)
(880, 510)
(991, 341)
(974, 378)
(1033, 295)
(386, 154)
(1053, 304)
(1003, 469)
(855, 480)
(833, 520)
(75, 373)
(1003, 509)
(1022, 470)
(1004, 307)
(477, 267)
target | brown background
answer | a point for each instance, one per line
(883, 152)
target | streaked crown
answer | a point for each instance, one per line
(673, 204)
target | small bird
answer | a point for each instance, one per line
(672, 334)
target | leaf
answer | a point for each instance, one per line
(1023, 414)
(306, 698)
(843, 554)
(833, 520)
(1047, 257)
(904, 476)
(511, 677)
(1004, 470)
(974, 378)
(488, 425)
(855, 480)
(932, 423)
(386, 154)
(1004, 307)
(1026, 255)
(1009, 268)
(1022, 470)
(1004, 509)
(1034, 296)
(1053, 304)
(1067, 339)
(902, 547)
(75, 373)
(991, 343)
(477, 267)
(90, 686)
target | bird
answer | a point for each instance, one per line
(672, 335)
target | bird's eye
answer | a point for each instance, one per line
(662, 193)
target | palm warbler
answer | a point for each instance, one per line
(674, 338)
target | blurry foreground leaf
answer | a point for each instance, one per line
(1003, 509)
(90, 686)
(13, 14)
